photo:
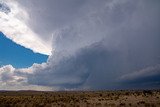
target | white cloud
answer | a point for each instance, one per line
(16, 79)
(15, 27)
(8, 76)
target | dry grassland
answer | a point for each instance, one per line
(80, 99)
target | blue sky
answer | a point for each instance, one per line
(16, 55)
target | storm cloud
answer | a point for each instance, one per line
(95, 44)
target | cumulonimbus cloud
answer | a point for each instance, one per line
(103, 42)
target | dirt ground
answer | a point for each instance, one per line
(143, 98)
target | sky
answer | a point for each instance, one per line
(79, 44)
(20, 57)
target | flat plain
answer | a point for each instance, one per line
(120, 98)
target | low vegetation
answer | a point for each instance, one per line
(144, 98)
